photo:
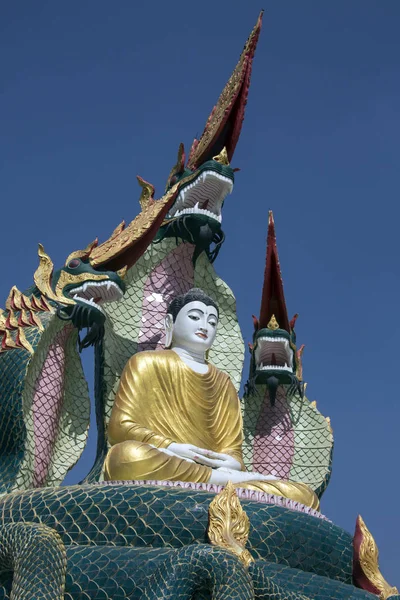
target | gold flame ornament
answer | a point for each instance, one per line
(222, 157)
(228, 525)
(273, 324)
(366, 572)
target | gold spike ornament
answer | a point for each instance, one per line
(366, 572)
(273, 324)
(228, 525)
(222, 157)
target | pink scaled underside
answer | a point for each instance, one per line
(47, 403)
(172, 276)
(274, 438)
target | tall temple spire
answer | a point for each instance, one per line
(225, 121)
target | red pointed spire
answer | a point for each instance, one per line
(225, 121)
(273, 297)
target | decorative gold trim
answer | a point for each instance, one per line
(273, 324)
(69, 279)
(22, 341)
(369, 563)
(179, 166)
(228, 525)
(122, 272)
(43, 274)
(147, 193)
(222, 157)
(82, 253)
(328, 420)
(299, 356)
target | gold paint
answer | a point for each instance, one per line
(43, 274)
(293, 490)
(273, 324)
(227, 97)
(179, 166)
(23, 341)
(182, 415)
(12, 320)
(46, 305)
(328, 420)
(369, 563)
(77, 280)
(222, 157)
(37, 321)
(118, 230)
(15, 296)
(313, 404)
(136, 229)
(228, 525)
(82, 253)
(147, 194)
(299, 357)
(2, 319)
(122, 272)
(10, 344)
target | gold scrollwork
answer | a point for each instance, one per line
(229, 525)
(369, 562)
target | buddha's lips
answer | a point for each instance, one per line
(202, 335)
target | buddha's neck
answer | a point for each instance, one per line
(195, 360)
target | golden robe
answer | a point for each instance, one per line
(161, 400)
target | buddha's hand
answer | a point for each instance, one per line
(188, 451)
(222, 476)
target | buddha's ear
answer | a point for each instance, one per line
(168, 326)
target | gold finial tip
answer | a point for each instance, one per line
(222, 157)
(273, 324)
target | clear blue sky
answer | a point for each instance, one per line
(93, 93)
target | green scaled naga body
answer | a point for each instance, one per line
(285, 434)
(163, 539)
(45, 404)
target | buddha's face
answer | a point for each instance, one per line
(195, 327)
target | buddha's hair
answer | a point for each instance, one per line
(193, 295)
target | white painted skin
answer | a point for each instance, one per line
(190, 336)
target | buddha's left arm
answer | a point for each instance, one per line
(231, 417)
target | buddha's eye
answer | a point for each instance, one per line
(194, 317)
(212, 323)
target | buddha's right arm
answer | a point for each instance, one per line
(128, 407)
(121, 428)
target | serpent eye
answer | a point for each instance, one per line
(173, 180)
(75, 262)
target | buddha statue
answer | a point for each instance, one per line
(177, 417)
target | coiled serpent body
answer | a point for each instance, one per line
(130, 541)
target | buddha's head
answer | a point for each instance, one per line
(191, 321)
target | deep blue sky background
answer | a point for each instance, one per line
(93, 93)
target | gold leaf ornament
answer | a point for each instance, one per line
(369, 563)
(229, 525)
(273, 324)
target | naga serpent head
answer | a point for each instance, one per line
(191, 207)
(78, 291)
(275, 359)
(196, 214)
(207, 179)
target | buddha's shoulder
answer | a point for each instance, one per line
(149, 357)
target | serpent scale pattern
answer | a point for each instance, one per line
(291, 440)
(125, 541)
